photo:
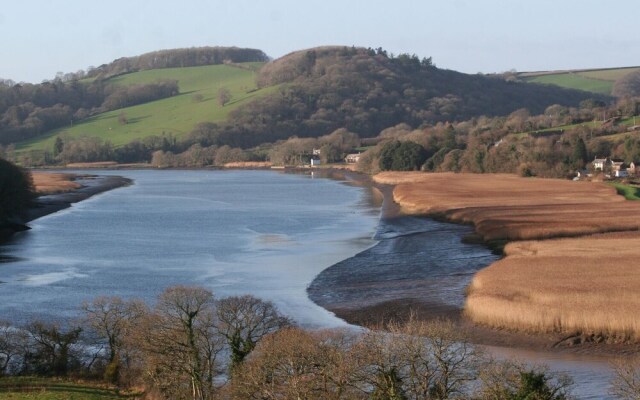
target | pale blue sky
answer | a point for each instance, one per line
(40, 38)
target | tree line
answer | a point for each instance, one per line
(28, 110)
(191, 345)
(177, 58)
(556, 143)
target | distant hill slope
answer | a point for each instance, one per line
(591, 80)
(177, 115)
(366, 91)
(178, 58)
(307, 93)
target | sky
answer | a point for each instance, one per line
(41, 38)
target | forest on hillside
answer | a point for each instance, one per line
(28, 110)
(367, 90)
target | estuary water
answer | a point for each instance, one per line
(244, 232)
(234, 232)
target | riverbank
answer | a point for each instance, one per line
(57, 191)
(82, 187)
(412, 268)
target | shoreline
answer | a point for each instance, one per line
(372, 312)
(90, 185)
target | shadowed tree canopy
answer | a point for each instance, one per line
(16, 191)
(366, 91)
(402, 156)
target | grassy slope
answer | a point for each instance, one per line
(574, 81)
(176, 115)
(597, 80)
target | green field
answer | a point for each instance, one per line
(175, 115)
(574, 81)
(27, 388)
(629, 192)
(608, 74)
(596, 80)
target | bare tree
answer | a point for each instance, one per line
(224, 96)
(12, 342)
(297, 364)
(52, 350)
(180, 343)
(626, 382)
(244, 320)
(112, 320)
(418, 360)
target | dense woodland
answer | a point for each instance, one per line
(366, 91)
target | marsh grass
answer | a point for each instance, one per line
(587, 282)
(50, 183)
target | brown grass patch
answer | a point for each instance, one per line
(248, 164)
(509, 207)
(588, 283)
(97, 164)
(50, 183)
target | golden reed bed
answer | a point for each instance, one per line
(50, 183)
(588, 283)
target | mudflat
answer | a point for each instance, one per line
(568, 272)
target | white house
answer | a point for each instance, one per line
(621, 173)
(600, 163)
(352, 158)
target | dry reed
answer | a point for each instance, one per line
(50, 183)
(587, 284)
(584, 283)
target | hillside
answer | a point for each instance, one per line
(177, 115)
(308, 93)
(366, 91)
(591, 80)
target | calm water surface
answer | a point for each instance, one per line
(234, 232)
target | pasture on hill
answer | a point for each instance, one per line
(197, 102)
(596, 80)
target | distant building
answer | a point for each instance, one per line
(621, 173)
(633, 168)
(600, 163)
(352, 158)
(617, 165)
(314, 162)
(315, 152)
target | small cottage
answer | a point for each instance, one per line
(617, 165)
(599, 164)
(352, 158)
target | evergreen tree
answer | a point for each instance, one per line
(580, 155)
(16, 191)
